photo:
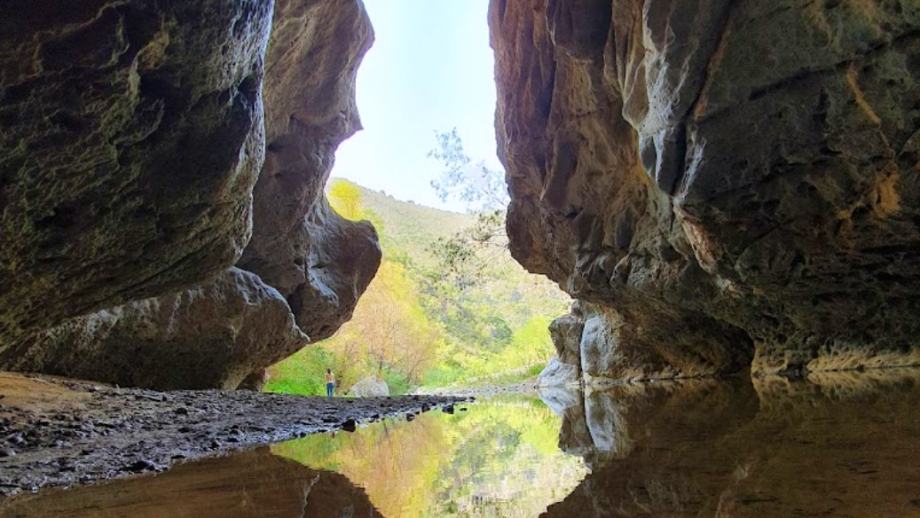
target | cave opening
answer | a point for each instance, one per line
(448, 305)
(727, 192)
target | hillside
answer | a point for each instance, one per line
(407, 226)
(413, 326)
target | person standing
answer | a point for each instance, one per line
(330, 383)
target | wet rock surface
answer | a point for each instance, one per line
(65, 433)
(725, 184)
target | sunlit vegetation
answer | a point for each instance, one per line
(448, 305)
(499, 459)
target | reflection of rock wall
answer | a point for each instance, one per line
(249, 484)
(120, 212)
(722, 449)
(718, 177)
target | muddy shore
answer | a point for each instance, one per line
(57, 432)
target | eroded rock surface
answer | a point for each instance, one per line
(209, 336)
(722, 181)
(147, 186)
(132, 138)
(319, 261)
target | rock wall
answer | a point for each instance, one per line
(211, 335)
(129, 183)
(319, 261)
(725, 183)
(132, 135)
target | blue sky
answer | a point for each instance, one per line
(430, 68)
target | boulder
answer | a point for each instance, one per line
(209, 336)
(369, 387)
(560, 398)
(723, 182)
(132, 138)
(556, 373)
(565, 332)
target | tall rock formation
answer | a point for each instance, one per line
(319, 261)
(132, 135)
(724, 182)
(128, 182)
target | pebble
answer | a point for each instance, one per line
(140, 465)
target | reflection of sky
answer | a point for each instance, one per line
(430, 69)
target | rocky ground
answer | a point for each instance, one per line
(483, 391)
(59, 432)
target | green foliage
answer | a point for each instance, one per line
(301, 373)
(483, 189)
(421, 323)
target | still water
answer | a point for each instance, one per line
(848, 446)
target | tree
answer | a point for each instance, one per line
(481, 188)
(464, 257)
(345, 199)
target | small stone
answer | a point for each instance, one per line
(349, 425)
(181, 411)
(449, 409)
(7, 452)
(140, 466)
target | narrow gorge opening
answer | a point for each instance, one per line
(256, 260)
(448, 306)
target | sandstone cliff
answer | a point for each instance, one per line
(128, 183)
(724, 183)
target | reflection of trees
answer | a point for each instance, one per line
(498, 459)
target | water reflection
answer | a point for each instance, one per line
(498, 459)
(250, 484)
(733, 449)
(837, 447)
